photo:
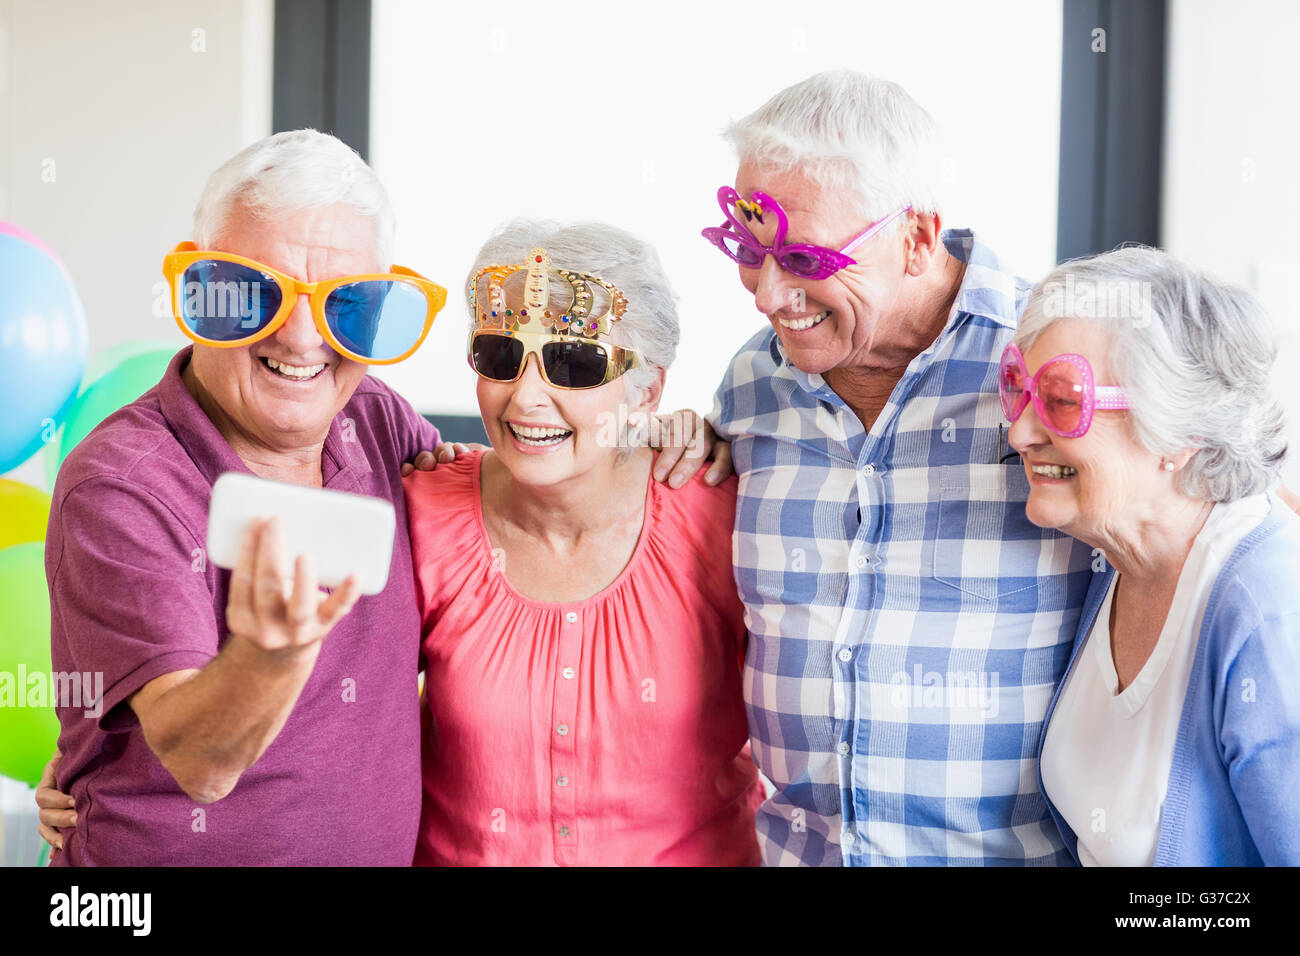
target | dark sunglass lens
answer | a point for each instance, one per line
(574, 364)
(224, 301)
(496, 356)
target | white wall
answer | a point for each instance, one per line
(133, 119)
(1232, 161)
(481, 113)
(112, 115)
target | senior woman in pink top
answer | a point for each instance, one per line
(582, 635)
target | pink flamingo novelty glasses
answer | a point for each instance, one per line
(806, 261)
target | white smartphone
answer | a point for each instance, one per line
(344, 533)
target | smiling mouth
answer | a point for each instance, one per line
(807, 322)
(538, 436)
(294, 373)
(1054, 471)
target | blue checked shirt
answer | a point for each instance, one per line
(907, 623)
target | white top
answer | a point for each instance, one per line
(1107, 756)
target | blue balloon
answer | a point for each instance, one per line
(43, 348)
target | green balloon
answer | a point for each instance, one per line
(104, 362)
(121, 385)
(29, 728)
(99, 363)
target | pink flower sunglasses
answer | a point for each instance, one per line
(1062, 391)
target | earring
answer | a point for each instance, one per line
(1167, 466)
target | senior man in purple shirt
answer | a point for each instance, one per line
(231, 730)
(246, 718)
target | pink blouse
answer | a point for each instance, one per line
(609, 731)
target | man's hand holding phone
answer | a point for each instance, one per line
(208, 725)
(273, 608)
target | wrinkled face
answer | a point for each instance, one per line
(833, 322)
(1083, 485)
(546, 435)
(289, 409)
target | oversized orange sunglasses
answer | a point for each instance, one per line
(227, 301)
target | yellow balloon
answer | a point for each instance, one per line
(24, 513)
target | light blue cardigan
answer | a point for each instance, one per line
(1234, 789)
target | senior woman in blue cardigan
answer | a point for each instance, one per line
(1138, 392)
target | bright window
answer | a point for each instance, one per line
(480, 114)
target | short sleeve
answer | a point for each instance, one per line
(1260, 737)
(442, 519)
(129, 592)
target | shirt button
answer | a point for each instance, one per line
(843, 748)
(562, 729)
(861, 561)
(564, 831)
(561, 781)
(845, 655)
(848, 838)
(567, 673)
(869, 470)
(571, 617)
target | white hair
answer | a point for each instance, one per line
(847, 131)
(650, 323)
(289, 172)
(1194, 356)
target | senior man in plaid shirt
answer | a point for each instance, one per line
(907, 622)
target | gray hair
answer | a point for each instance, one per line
(1194, 356)
(848, 131)
(650, 323)
(289, 172)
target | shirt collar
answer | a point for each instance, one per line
(810, 382)
(987, 289)
(210, 451)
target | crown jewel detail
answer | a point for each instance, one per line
(534, 299)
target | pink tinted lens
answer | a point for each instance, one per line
(1011, 388)
(1061, 396)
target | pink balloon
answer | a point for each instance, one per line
(18, 232)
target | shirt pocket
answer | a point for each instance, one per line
(985, 546)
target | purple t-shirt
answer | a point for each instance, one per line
(133, 596)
